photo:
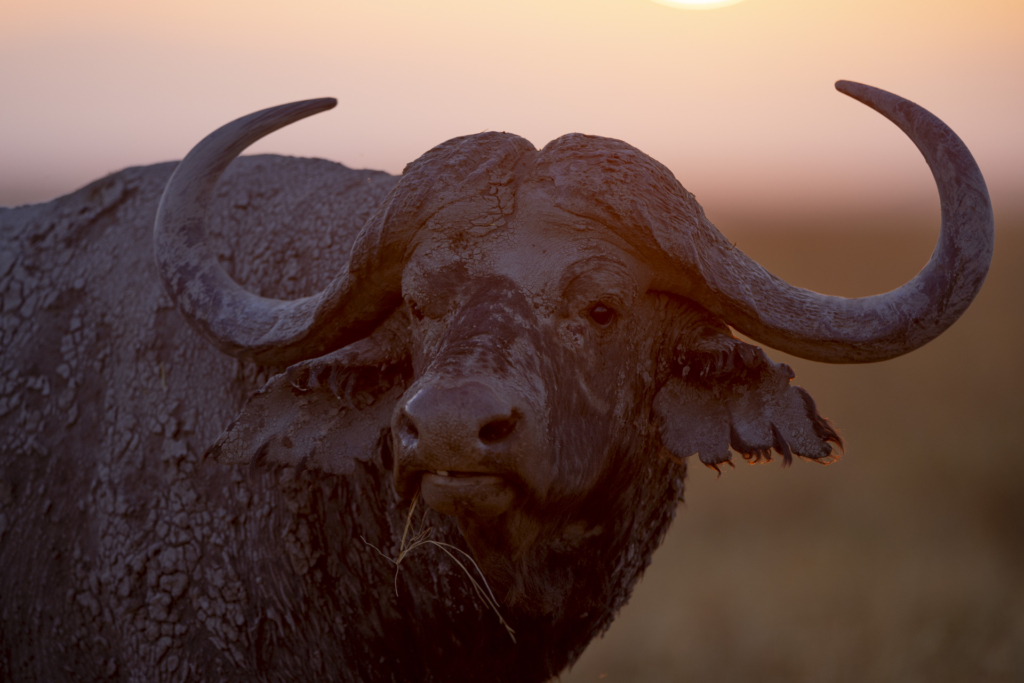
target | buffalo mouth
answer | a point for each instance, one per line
(475, 494)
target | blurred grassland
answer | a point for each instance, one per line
(904, 561)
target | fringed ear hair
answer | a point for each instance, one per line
(726, 393)
(325, 413)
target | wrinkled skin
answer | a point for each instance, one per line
(534, 387)
(511, 313)
(171, 566)
(536, 352)
(500, 343)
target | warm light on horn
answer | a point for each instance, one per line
(697, 4)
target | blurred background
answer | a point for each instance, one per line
(903, 561)
(737, 101)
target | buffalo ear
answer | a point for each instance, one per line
(736, 397)
(326, 414)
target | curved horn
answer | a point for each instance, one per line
(834, 329)
(237, 322)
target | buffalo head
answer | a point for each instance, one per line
(534, 341)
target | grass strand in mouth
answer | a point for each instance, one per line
(420, 539)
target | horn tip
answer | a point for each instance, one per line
(320, 104)
(293, 111)
(851, 87)
(876, 98)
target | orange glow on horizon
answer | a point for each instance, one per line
(738, 103)
(698, 4)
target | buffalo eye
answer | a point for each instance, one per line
(601, 314)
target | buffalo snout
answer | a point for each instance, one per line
(461, 444)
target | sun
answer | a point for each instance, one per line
(697, 4)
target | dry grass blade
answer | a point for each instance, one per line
(421, 538)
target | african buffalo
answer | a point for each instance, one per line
(461, 443)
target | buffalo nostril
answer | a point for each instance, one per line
(407, 432)
(497, 430)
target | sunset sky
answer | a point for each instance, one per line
(738, 101)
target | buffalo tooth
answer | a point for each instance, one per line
(443, 473)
